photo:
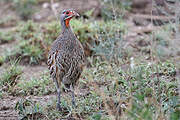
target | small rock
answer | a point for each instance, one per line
(46, 5)
(140, 22)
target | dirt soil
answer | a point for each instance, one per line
(7, 106)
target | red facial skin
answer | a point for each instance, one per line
(67, 20)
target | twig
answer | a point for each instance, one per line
(154, 17)
(145, 29)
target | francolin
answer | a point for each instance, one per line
(66, 57)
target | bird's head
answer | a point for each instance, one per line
(67, 15)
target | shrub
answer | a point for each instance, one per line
(29, 44)
(9, 78)
(28, 109)
(24, 8)
(112, 9)
(144, 92)
(109, 42)
(6, 37)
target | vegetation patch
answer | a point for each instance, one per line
(6, 37)
(28, 109)
(145, 91)
(29, 46)
(2, 60)
(8, 22)
(142, 92)
(112, 9)
(33, 46)
(25, 8)
(10, 77)
(35, 86)
(86, 106)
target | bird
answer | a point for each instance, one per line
(66, 58)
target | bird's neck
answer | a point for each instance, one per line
(66, 29)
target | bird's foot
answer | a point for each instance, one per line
(58, 107)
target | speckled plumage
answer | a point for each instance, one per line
(66, 58)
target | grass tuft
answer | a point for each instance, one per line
(28, 109)
(35, 86)
(9, 78)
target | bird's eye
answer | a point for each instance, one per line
(67, 12)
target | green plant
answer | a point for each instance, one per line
(28, 109)
(27, 30)
(1, 94)
(8, 21)
(109, 42)
(52, 113)
(32, 50)
(29, 46)
(2, 60)
(10, 76)
(24, 8)
(51, 31)
(112, 9)
(85, 31)
(86, 106)
(6, 37)
(143, 92)
(35, 86)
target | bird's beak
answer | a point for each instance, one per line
(74, 13)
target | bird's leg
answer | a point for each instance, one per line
(73, 96)
(59, 100)
(58, 96)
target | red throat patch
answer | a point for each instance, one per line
(67, 22)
